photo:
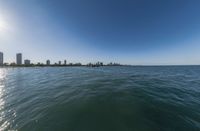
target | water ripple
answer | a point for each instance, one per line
(96, 99)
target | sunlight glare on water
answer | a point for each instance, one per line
(4, 123)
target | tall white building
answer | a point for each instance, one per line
(19, 58)
(1, 58)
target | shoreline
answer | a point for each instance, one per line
(28, 66)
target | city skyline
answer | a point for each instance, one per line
(129, 32)
(20, 61)
(27, 62)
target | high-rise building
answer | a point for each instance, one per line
(1, 58)
(27, 62)
(48, 62)
(59, 62)
(65, 62)
(19, 58)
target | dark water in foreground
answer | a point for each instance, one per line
(100, 99)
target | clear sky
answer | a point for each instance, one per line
(142, 32)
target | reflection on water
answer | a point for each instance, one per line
(4, 123)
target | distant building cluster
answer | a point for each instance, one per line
(18, 60)
(27, 62)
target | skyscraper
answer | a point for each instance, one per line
(1, 58)
(48, 62)
(19, 58)
(65, 62)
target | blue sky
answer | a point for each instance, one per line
(141, 32)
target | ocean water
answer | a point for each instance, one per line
(162, 98)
